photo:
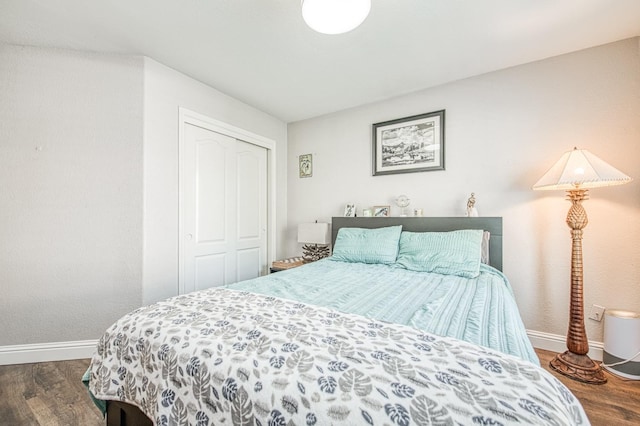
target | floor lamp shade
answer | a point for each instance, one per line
(580, 169)
(576, 172)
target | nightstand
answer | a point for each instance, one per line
(281, 265)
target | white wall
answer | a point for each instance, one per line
(503, 131)
(165, 90)
(70, 193)
(89, 188)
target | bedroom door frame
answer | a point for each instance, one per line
(188, 117)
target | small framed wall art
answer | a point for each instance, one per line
(305, 165)
(410, 144)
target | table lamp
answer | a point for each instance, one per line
(315, 236)
(576, 172)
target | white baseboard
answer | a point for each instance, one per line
(43, 352)
(557, 343)
(60, 351)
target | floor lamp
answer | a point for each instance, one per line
(576, 172)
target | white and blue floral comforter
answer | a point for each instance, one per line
(224, 356)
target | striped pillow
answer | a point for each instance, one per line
(379, 245)
(448, 253)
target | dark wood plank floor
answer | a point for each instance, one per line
(616, 403)
(51, 394)
(46, 394)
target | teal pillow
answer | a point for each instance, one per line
(448, 253)
(378, 245)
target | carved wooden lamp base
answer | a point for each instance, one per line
(578, 367)
(575, 363)
(311, 253)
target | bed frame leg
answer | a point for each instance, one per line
(121, 414)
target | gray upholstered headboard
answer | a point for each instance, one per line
(431, 224)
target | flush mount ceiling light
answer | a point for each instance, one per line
(335, 16)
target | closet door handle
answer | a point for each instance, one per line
(189, 237)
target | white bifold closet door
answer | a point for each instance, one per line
(225, 209)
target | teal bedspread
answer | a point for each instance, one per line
(481, 310)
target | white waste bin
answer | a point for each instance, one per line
(622, 342)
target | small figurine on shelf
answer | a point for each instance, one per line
(471, 206)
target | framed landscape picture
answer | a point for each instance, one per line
(410, 144)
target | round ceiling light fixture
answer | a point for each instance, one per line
(335, 16)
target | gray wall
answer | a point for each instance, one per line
(503, 131)
(70, 193)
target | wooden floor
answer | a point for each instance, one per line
(47, 393)
(51, 394)
(616, 403)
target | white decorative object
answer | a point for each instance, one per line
(471, 206)
(403, 201)
(367, 212)
(417, 212)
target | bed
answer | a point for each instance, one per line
(338, 342)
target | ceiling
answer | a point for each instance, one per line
(262, 53)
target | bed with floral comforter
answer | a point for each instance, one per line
(223, 356)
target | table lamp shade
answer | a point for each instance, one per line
(314, 233)
(580, 169)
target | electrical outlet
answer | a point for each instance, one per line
(597, 312)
